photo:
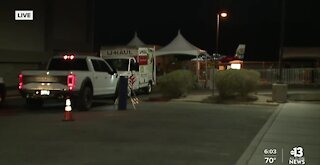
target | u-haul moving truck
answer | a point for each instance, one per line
(137, 63)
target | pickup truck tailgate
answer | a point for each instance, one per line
(44, 79)
(54, 80)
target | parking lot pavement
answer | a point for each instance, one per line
(294, 127)
(156, 133)
(293, 124)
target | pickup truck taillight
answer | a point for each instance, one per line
(20, 81)
(71, 81)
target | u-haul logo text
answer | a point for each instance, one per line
(23, 15)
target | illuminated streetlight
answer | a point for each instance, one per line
(223, 14)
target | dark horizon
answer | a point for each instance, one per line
(256, 24)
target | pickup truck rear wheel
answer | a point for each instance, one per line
(85, 99)
(116, 93)
(2, 94)
(1, 98)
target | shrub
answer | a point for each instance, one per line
(177, 83)
(236, 82)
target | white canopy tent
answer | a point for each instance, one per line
(136, 41)
(179, 45)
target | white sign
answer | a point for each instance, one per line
(118, 51)
(23, 15)
(235, 66)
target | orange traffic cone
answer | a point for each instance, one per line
(68, 111)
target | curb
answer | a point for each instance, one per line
(269, 104)
(200, 101)
(248, 153)
(177, 100)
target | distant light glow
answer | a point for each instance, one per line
(20, 81)
(69, 57)
(224, 14)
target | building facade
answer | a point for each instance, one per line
(57, 25)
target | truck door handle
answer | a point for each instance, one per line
(96, 77)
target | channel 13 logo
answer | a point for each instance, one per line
(297, 156)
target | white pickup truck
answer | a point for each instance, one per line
(79, 77)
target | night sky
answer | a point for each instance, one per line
(255, 23)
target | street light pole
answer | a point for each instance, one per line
(217, 33)
(282, 31)
(223, 14)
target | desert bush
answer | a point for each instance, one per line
(236, 82)
(177, 83)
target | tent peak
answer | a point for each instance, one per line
(136, 41)
(179, 31)
(179, 45)
(135, 34)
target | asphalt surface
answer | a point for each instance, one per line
(176, 132)
(293, 125)
(156, 133)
